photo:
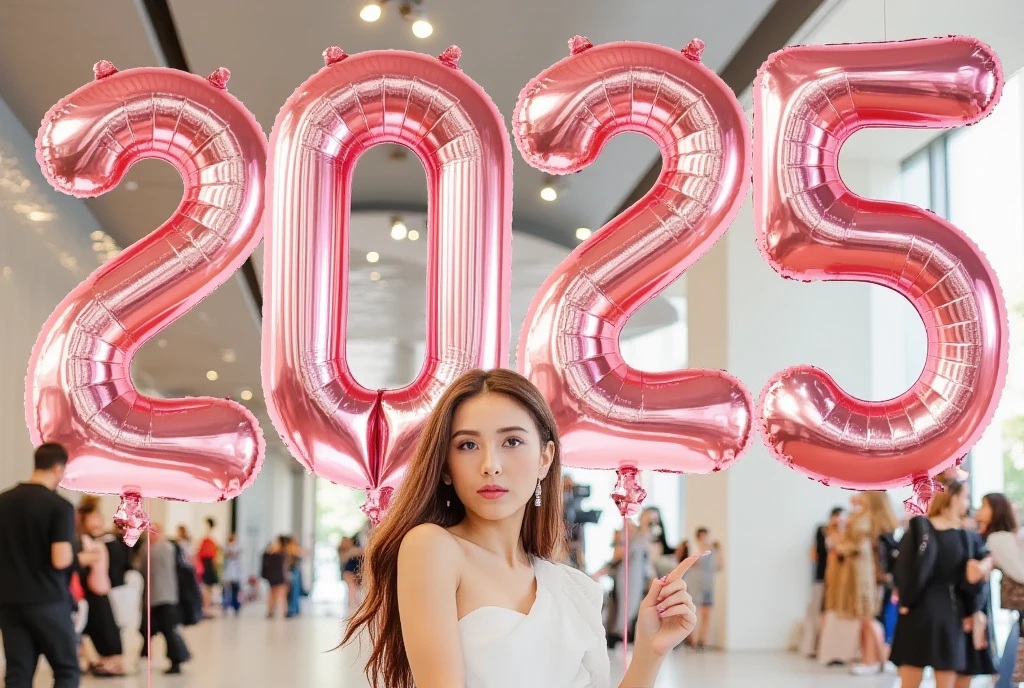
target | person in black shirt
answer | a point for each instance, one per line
(819, 554)
(37, 527)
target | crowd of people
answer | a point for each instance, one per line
(923, 602)
(73, 591)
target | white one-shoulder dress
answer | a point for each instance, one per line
(560, 643)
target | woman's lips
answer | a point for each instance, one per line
(492, 492)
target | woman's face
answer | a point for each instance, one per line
(650, 518)
(92, 524)
(962, 502)
(496, 456)
(984, 515)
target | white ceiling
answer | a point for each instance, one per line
(48, 47)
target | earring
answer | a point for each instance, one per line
(536, 495)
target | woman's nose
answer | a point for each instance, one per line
(490, 464)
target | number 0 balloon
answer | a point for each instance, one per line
(79, 390)
(610, 415)
(333, 425)
(807, 102)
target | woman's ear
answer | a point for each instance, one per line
(547, 457)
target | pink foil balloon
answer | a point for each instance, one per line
(79, 388)
(610, 415)
(807, 102)
(333, 425)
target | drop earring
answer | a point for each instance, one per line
(447, 483)
(536, 495)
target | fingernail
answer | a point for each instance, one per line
(663, 580)
(660, 611)
(705, 553)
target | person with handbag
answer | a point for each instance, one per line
(933, 564)
(997, 521)
(160, 564)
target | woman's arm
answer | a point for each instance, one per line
(1008, 555)
(428, 566)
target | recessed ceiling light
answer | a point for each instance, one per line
(228, 355)
(40, 216)
(549, 193)
(374, 276)
(131, 186)
(370, 12)
(413, 235)
(246, 394)
(421, 28)
(97, 235)
(8, 271)
(162, 343)
(372, 257)
(398, 229)
(583, 233)
(212, 375)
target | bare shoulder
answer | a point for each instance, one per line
(429, 546)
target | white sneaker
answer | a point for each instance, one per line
(865, 669)
(890, 668)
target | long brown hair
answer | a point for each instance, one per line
(879, 509)
(423, 498)
(941, 500)
(1003, 518)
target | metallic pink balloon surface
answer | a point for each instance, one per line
(610, 415)
(79, 387)
(807, 102)
(333, 425)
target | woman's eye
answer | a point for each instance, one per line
(468, 445)
(513, 442)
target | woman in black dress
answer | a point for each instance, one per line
(94, 571)
(933, 571)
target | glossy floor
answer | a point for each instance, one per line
(253, 651)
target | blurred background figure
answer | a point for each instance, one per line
(662, 556)
(294, 555)
(207, 565)
(274, 571)
(231, 576)
(350, 557)
(576, 517)
(160, 566)
(824, 538)
(700, 581)
(93, 565)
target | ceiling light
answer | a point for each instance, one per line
(246, 394)
(370, 12)
(212, 375)
(40, 216)
(97, 235)
(7, 271)
(374, 276)
(131, 186)
(421, 28)
(583, 233)
(228, 355)
(413, 235)
(549, 193)
(372, 257)
(162, 343)
(398, 229)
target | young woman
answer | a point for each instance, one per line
(462, 590)
(702, 586)
(997, 521)
(872, 517)
(208, 551)
(94, 563)
(935, 561)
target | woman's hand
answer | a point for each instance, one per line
(968, 623)
(978, 571)
(668, 614)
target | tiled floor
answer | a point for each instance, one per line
(252, 651)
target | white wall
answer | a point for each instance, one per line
(40, 263)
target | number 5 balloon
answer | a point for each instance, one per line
(807, 102)
(79, 388)
(333, 425)
(610, 415)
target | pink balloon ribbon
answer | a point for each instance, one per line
(79, 389)
(611, 415)
(807, 102)
(334, 426)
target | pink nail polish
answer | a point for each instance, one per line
(705, 553)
